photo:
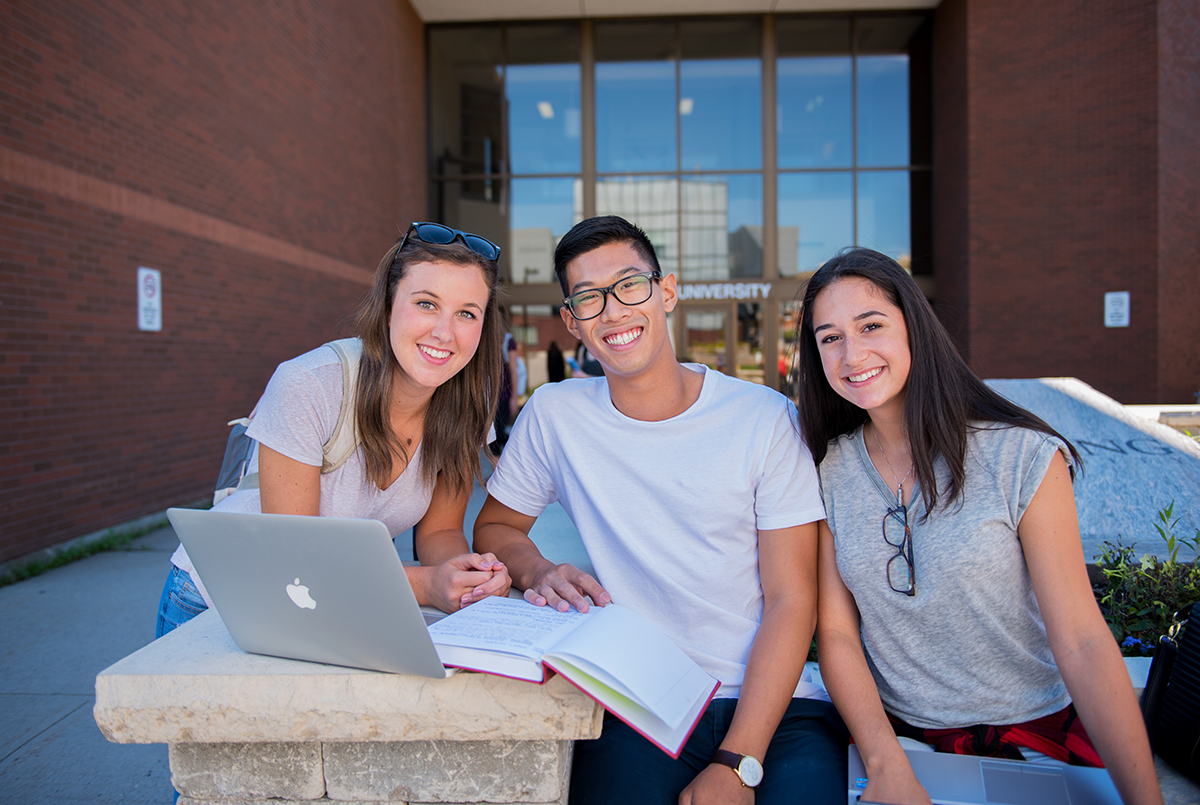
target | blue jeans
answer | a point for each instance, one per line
(180, 602)
(805, 762)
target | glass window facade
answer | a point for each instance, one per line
(844, 146)
(750, 149)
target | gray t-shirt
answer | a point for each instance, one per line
(296, 416)
(970, 647)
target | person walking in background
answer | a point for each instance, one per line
(556, 367)
(969, 623)
(431, 339)
(587, 363)
(509, 403)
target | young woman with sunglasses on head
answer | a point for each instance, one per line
(955, 606)
(431, 340)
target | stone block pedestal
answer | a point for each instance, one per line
(244, 728)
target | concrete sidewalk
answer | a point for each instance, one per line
(60, 629)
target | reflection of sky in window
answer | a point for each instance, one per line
(721, 114)
(745, 199)
(635, 116)
(718, 109)
(543, 118)
(814, 120)
(543, 204)
(883, 212)
(882, 110)
(821, 205)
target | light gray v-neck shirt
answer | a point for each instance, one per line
(970, 647)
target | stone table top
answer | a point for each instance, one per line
(196, 685)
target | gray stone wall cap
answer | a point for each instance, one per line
(196, 685)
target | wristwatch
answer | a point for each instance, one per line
(746, 767)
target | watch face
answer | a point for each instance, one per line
(750, 770)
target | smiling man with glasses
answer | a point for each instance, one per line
(698, 507)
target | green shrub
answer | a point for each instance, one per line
(1140, 597)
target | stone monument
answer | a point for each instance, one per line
(1132, 466)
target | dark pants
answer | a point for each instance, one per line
(501, 424)
(806, 761)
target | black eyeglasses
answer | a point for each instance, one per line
(902, 576)
(437, 233)
(631, 290)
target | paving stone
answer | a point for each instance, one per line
(192, 801)
(249, 771)
(449, 771)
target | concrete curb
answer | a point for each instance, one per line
(142, 525)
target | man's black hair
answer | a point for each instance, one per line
(593, 233)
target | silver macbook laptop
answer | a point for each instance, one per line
(321, 589)
(970, 780)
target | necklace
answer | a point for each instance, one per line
(418, 428)
(900, 483)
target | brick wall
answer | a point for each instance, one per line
(263, 157)
(1179, 200)
(1060, 152)
(951, 158)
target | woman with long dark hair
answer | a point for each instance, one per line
(423, 404)
(955, 607)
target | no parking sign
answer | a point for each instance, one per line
(149, 282)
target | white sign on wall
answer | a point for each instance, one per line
(1116, 309)
(149, 299)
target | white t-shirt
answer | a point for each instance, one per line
(669, 512)
(296, 416)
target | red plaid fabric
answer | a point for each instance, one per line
(1059, 735)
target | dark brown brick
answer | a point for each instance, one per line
(279, 119)
(1065, 164)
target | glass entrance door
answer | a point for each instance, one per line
(728, 338)
(748, 343)
(706, 337)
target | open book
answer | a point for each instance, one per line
(612, 654)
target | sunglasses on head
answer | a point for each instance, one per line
(429, 232)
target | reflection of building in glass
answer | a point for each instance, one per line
(746, 251)
(532, 259)
(710, 253)
(697, 210)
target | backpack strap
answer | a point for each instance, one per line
(344, 440)
(334, 453)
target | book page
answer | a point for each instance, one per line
(670, 738)
(624, 650)
(510, 625)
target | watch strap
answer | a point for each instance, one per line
(731, 759)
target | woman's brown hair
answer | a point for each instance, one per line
(461, 410)
(943, 398)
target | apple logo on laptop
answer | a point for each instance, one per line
(300, 597)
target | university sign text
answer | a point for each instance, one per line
(724, 290)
